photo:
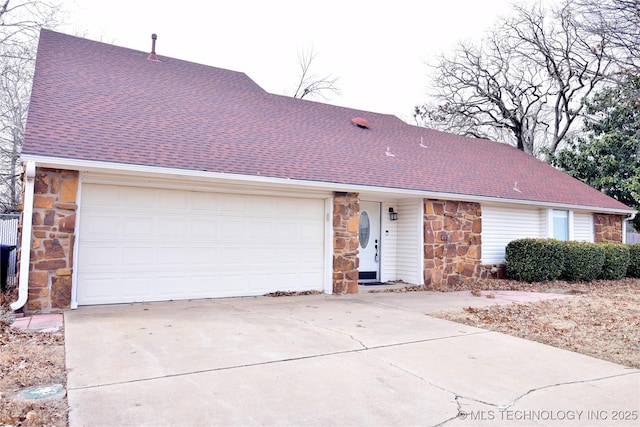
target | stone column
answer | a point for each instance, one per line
(608, 228)
(452, 243)
(346, 217)
(54, 220)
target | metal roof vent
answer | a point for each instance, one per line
(152, 56)
(360, 122)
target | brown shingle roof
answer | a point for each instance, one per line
(95, 101)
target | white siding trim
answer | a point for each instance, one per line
(389, 243)
(410, 263)
(328, 246)
(571, 227)
(549, 223)
(76, 250)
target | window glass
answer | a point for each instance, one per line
(364, 229)
(561, 225)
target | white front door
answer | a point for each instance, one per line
(369, 235)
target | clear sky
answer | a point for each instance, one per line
(377, 49)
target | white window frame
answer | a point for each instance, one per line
(550, 223)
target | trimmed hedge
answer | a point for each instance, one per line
(538, 260)
(583, 261)
(616, 261)
(634, 261)
(534, 260)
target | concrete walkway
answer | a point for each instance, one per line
(39, 322)
(366, 359)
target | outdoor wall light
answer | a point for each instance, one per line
(393, 216)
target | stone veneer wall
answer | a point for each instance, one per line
(452, 243)
(54, 220)
(608, 228)
(346, 218)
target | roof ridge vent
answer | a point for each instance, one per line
(360, 122)
(152, 56)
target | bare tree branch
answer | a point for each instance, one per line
(620, 20)
(524, 83)
(312, 84)
(20, 23)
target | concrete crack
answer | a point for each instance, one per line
(505, 407)
(458, 397)
(306, 322)
(227, 304)
(533, 390)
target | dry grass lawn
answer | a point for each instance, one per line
(601, 319)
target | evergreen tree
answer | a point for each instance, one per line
(606, 157)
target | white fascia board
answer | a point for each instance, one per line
(262, 181)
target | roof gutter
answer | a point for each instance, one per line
(257, 180)
(25, 243)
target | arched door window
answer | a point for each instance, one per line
(364, 229)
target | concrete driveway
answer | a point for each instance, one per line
(366, 359)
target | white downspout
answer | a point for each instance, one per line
(25, 243)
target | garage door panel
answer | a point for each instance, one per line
(138, 255)
(172, 227)
(169, 287)
(172, 199)
(173, 244)
(201, 285)
(204, 255)
(173, 255)
(233, 203)
(137, 227)
(208, 202)
(233, 230)
(136, 288)
(100, 226)
(99, 290)
(261, 231)
(107, 196)
(96, 257)
(137, 197)
(203, 229)
(308, 231)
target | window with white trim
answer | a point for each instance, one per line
(561, 224)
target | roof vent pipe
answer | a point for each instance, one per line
(152, 56)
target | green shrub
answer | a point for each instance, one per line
(583, 261)
(616, 261)
(634, 261)
(534, 260)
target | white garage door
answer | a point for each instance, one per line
(153, 244)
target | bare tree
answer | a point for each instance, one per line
(310, 84)
(523, 84)
(620, 20)
(20, 22)
(24, 17)
(485, 95)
